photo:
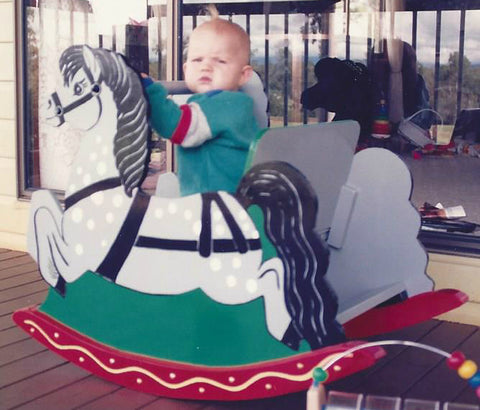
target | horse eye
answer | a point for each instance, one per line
(78, 89)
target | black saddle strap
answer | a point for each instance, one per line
(205, 239)
(121, 247)
(91, 189)
(206, 245)
(218, 245)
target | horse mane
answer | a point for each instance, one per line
(133, 132)
(289, 206)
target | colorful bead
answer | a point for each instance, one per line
(475, 380)
(467, 369)
(455, 360)
(478, 392)
(319, 375)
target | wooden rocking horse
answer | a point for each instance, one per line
(210, 296)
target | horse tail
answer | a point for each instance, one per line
(289, 206)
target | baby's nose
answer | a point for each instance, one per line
(206, 65)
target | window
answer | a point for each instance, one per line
(440, 37)
(48, 28)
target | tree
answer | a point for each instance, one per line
(448, 85)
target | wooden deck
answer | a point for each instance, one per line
(32, 377)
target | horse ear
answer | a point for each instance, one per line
(92, 63)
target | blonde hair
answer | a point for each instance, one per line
(212, 11)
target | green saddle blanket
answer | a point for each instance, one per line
(188, 328)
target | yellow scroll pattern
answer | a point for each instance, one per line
(193, 380)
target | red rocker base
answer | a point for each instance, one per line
(415, 309)
(180, 380)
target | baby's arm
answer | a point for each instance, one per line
(206, 116)
(165, 114)
(185, 125)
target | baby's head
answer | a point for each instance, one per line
(218, 57)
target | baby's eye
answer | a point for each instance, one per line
(197, 59)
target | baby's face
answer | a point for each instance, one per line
(215, 63)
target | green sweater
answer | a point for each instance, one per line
(212, 135)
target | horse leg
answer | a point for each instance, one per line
(46, 243)
(40, 199)
(49, 257)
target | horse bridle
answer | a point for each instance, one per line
(60, 110)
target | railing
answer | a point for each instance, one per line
(322, 28)
(317, 21)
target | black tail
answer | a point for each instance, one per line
(289, 205)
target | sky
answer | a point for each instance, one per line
(360, 29)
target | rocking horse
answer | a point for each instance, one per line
(209, 296)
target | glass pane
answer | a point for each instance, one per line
(447, 173)
(137, 30)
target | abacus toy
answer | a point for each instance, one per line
(317, 395)
(466, 369)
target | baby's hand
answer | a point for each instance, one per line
(146, 80)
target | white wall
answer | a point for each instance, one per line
(13, 213)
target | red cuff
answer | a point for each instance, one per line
(183, 125)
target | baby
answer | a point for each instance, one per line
(213, 131)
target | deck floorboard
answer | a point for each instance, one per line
(32, 377)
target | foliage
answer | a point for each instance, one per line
(448, 86)
(280, 82)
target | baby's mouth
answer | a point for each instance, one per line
(205, 80)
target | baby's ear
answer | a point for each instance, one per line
(246, 74)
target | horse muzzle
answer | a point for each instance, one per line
(56, 111)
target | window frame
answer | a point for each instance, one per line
(23, 192)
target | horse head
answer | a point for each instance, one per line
(101, 93)
(78, 101)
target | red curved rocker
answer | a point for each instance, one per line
(186, 381)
